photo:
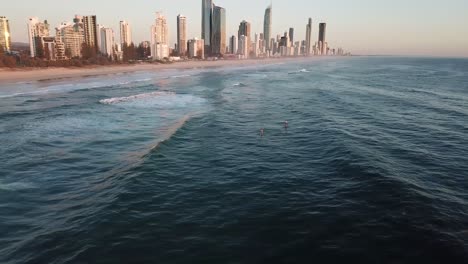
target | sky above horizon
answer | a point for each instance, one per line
(366, 27)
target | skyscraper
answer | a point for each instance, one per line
(308, 41)
(125, 33)
(291, 36)
(72, 37)
(243, 47)
(244, 30)
(196, 48)
(207, 13)
(91, 31)
(5, 34)
(267, 27)
(233, 45)
(322, 39)
(107, 41)
(182, 35)
(160, 38)
(37, 31)
(218, 40)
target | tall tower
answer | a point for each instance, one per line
(91, 31)
(233, 45)
(291, 36)
(125, 33)
(5, 34)
(308, 41)
(182, 35)
(322, 39)
(36, 31)
(244, 30)
(107, 41)
(207, 22)
(267, 23)
(218, 39)
(159, 38)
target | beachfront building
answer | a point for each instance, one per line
(90, 27)
(49, 47)
(37, 30)
(196, 48)
(267, 24)
(5, 34)
(218, 40)
(244, 30)
(233, 45)
(125, 33)
(291, 36)
(160, 38)
(308, 40)
(256, 47)
(181, 35)
(207, 22)
(71, 36)
(243, 51)
(106, 46)
(322, 39)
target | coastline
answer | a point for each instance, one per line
(10, 76)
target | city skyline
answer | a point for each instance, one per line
(382, 36)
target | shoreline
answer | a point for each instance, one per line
(12, 76)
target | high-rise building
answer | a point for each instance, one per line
(207, 23)
(256, 47)
(244, 47)
(107, 41)
(37, 31)
(291, 36)
(5, 34)
(308, 40)
(322, 39)
(181, 35)
(160, 38)
(267, 23)
(218, 40)
(71, 36)
(244, 30)
(90, 27)
(196, 48)
(233, 45)
(125, 33)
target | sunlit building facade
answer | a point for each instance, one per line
(218, 41)
(5, 34)
(267, 24)
(181, 35)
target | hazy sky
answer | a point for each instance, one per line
(419, 27)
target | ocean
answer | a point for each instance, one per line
(170, 167)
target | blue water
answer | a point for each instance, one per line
(169, 166)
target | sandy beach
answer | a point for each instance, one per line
(39, 74)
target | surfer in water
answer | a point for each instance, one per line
(286, 124)
(262, 132)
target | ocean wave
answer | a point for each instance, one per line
(16, 186)
(180, 76)
(117, 100)
(170, 131)
(299, 71)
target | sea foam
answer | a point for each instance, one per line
(117, 100)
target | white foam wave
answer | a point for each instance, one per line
(239, 85)
(16, 186)
(180, 76)
(117, 100)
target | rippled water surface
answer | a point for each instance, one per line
(169, 166)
